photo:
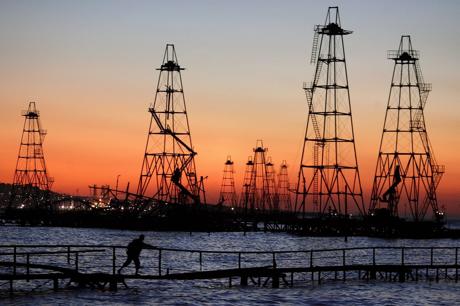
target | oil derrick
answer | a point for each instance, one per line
(31, 183)
(169, 154)
(406, 172)
(283, 193)
(247, 194)
(227, 189)
(259, 185)
(271, 190)
(329, 179)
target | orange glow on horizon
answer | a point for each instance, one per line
(91, 72)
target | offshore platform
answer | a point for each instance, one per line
(327, 198)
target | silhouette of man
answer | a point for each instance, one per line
(133, 251)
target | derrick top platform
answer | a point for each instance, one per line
(170, 66)
(403, 55)
(332, 29)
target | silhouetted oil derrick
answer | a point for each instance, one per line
(247, 194)
(169, 154)
(407, 173)
(260, 188)
(227, 189)
(271, 192)
(329, 179)
(31, 182)
(283, 192)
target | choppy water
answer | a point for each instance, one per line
(218, 293)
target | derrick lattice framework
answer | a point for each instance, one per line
(271, 188)
(262, 183)
(169, 154)
(407, 174)
(247, 195)
(329, 179)
(227, 188)
(283, 191)
(259, 187)
(31, 182)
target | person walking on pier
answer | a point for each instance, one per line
(133, 251)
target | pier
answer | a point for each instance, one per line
(28, 267)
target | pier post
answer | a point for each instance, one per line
(28, 266)
(159, 262)
(402, 275)
(275, 276)
(311, 266)
(373, 272)
(14, 260)
(343, 264)
(402, 256)
(431, 257)
(113, 285)
(113, 260)
(244, 280)
(456, 265)
(55, 284)
(276, 280)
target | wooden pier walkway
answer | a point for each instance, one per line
(95, 266)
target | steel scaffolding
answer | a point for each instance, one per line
(227, 189)
(169, 154)
(328, 179)
(407, 174)
(283, 188)
(31, 182)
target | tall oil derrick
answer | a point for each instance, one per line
(247, 193)
(407, 172)
(329, 179)
(283, 192)
(260, 187)
(31, 182)
(169, 154)
(227, 189)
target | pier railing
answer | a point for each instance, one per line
(163, 261)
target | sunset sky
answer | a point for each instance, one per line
(90, 66)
